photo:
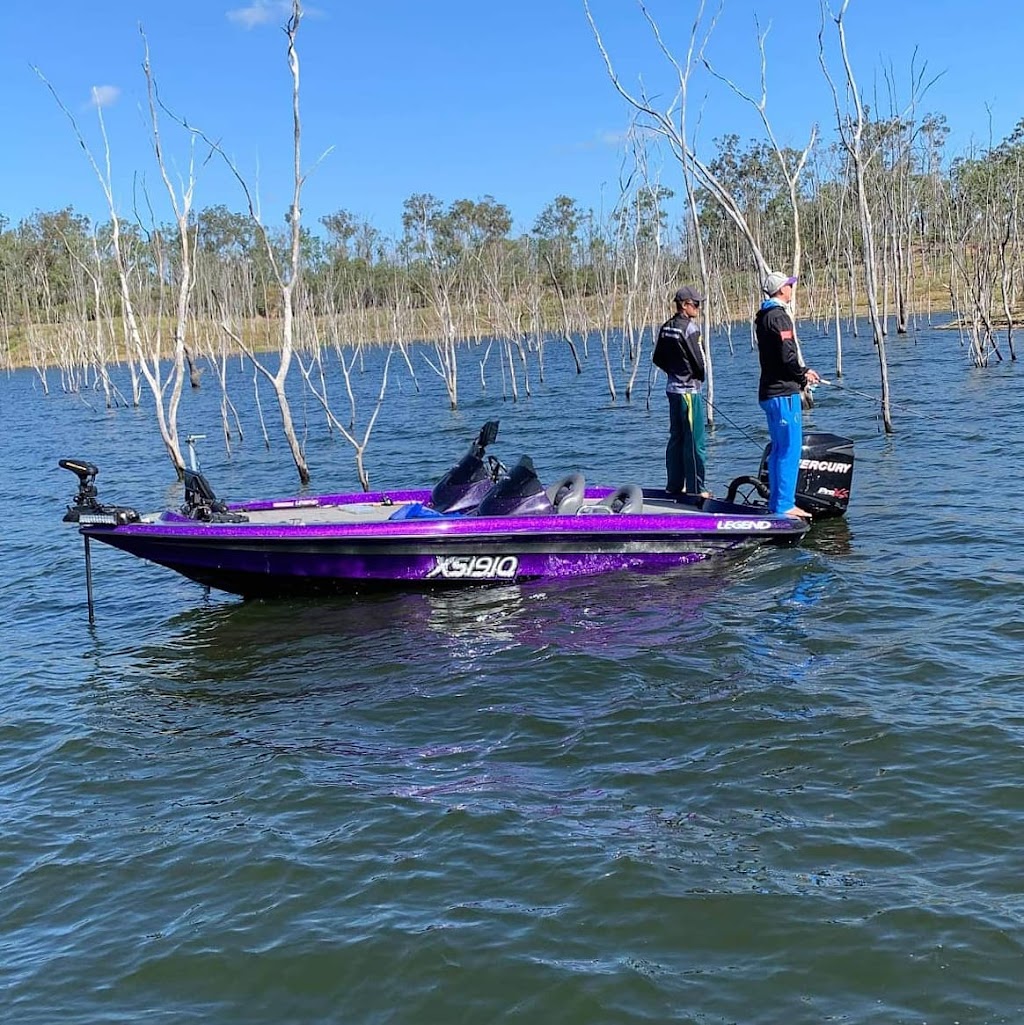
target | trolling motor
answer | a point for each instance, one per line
(822, 485)
(463, 487)
(87, 509)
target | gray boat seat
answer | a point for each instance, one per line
(626, 500)
(567, 494)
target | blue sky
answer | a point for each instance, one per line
(459, 98)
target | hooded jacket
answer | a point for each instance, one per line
(782, 373)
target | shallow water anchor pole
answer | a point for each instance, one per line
(88, 582)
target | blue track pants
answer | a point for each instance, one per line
(786, 429)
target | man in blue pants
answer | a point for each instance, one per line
(783, 377)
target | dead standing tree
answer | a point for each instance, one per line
(149, 359)
(182, 207)
(791, 163)
(852, 127)
(421, 219)
(851, 133)
(670, 124)
(287, 278)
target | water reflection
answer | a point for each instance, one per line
(830, 537)
(373, 638)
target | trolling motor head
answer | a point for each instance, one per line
(87, 510)
(85, 499)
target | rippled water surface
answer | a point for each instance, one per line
(778, 789)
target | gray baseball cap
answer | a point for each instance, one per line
(687, 294)
(774, 282)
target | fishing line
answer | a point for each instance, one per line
(732, 423)
(877, 400)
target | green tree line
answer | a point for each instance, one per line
(949, 238)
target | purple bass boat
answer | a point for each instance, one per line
(482, 523)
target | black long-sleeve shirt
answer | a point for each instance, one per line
(682, 338)
(782, 373)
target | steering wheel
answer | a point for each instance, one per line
(496, 468)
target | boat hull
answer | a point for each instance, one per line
(305, 554)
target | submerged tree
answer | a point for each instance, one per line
(853, 130)
(286, 273)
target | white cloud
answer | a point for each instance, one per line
(103, 95)
(261, 12)
(602, 140)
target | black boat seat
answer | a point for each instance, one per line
(567, 494)
(626, 500)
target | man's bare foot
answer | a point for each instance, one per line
(798, 513)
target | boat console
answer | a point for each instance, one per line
(519, 494)
(465, 484)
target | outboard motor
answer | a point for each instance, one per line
(519, 494)
(825, 477)
(465, 484)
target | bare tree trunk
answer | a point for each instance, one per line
(851, 131)
(149, 362)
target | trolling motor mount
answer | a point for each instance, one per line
(86, 495)
(87, 509)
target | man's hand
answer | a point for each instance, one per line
(813, 377)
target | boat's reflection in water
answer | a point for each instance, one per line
(362, 637)
(615, 613)
(830, 537)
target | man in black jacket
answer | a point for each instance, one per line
(783, 377)
(678, 352)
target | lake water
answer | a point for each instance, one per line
(785, 789)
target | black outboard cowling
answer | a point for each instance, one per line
(519, 494)
(826, 474)
(465, 484)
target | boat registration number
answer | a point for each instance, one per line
(475, 567)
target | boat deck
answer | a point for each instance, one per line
(312, 513)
